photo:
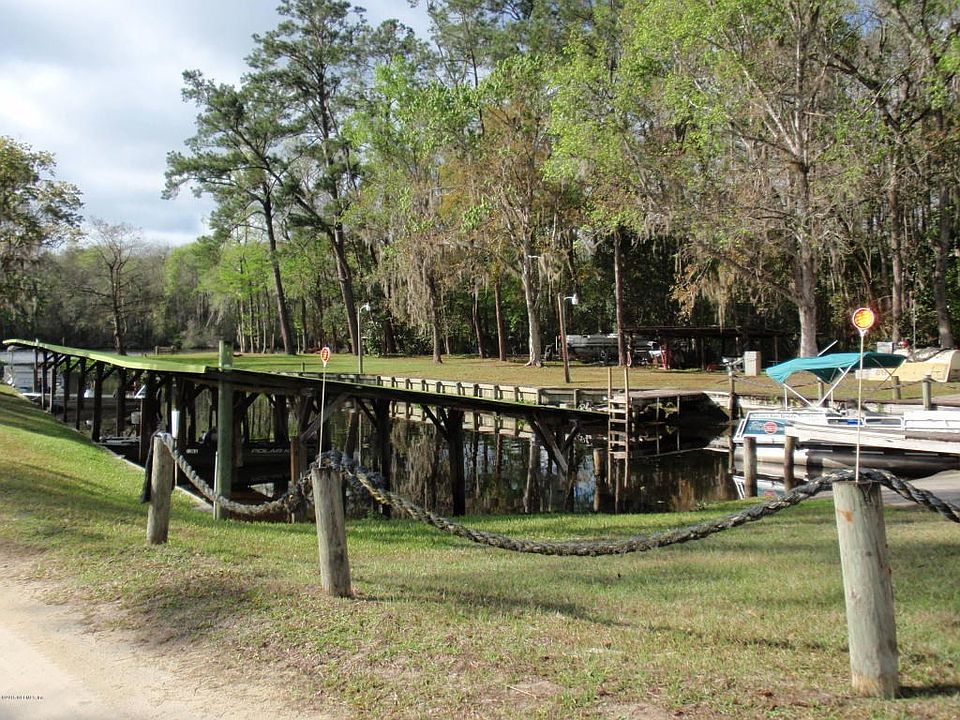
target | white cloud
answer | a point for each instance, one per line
(97, 82)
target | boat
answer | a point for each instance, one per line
(913, 443)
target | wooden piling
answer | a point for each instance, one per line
(732, 398)
(457, 478)
(868, 589)
(121, 401)
(95, 428)
(223, 474)
(81, 390)
(750, 466)
(161, 487)
(331, 533)
(789, 449)
(927, 391)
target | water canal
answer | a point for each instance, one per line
(670, 471)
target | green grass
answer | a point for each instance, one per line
(471, 369)
(747, 624)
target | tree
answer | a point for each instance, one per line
(750, 86)
(235, 156)
(317, 61)
(36, 212)
(117, 283)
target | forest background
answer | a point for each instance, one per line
(743, 163)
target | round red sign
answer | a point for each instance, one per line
(770, 427)
(864, 318)
(325, 355)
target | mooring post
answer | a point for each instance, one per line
(927, 391)
(331, 533)
(789, 448)
(867, 588)
(750, 466)
(223, 475)
(732, 398)
(896, 387)
(161, 487)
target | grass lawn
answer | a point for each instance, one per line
(469, 368)
(747, 624)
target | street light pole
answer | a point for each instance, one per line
(561, 301)
(365, 306)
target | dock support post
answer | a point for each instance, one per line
(121, 401)
(81, 390)
(455, 439)
(148, 413)
(750, 466)
(896, 387)
(381, 409)
(331, 533)
(926, 389)
(732, 399)
(67, 377)
(161, 487)
(223, 477)
(789, 476)
(867, 589)
(44, 380)
(97, 425)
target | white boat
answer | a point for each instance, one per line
(915, 442)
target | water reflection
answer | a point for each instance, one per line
(504, 473)
(510, 474)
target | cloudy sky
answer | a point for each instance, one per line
(97, 83)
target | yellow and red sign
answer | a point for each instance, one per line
(325, 355)
(863, 319)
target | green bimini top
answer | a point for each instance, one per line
(830, 367)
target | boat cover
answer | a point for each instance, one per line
(830, 367)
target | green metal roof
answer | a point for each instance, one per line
(131, 362)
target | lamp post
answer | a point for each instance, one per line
(365, 306)
(561, 301)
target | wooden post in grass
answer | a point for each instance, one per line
(331, 533)
(161, 487)
(926, 390)
(867, 588)
(750, 466)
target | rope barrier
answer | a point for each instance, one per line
(363, 481)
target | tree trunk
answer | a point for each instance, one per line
(501, 325)
(436, 313)
(286, 327)
(345, 278)
(618, 298)
(477, 328)
(944, 246)
(533, 321)
(896, 248)
(805, 270)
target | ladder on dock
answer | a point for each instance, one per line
(618, 429)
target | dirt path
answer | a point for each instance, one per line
(53, 667)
